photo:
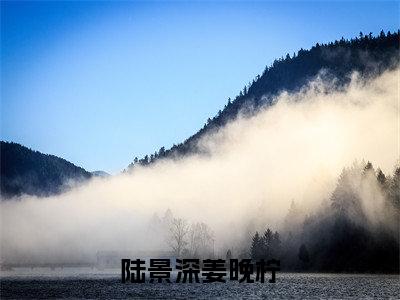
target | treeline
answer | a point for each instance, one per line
(367, 54)
(266, 246)
(356, 231)
(24, 171)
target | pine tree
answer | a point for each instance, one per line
(267, 239)
(380, 176)
(256, 244)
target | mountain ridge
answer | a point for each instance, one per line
(366, 54)
(26, 171)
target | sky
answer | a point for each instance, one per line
(99, 83)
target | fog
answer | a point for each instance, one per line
(293, 150)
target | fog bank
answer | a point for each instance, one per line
(293, 150)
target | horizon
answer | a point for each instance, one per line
(176, 90)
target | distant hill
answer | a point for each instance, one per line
(368, 55)
(25, 171)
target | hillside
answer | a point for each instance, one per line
(24, 171)
(368, 55)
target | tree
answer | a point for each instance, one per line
(345, 199)
(201, 239)
(267, 240)
(161, 152)
(380, 176)
(178, 230)
(228, 255)
(394, 189)
(293, 219)
(256, 249)
(368, 166)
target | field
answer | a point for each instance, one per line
(75, 283)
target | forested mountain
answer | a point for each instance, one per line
(366, 54)
(24, 171)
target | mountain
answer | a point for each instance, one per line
(25, 171)
(368, 55)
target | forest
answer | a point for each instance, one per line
(355, 231)
(366, 54)
(24, 171)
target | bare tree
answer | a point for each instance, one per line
(179, 231)
(201, 240)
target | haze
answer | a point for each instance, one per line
(256, 166)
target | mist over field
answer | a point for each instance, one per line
(255, 167)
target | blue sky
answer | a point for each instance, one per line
(99, 83)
